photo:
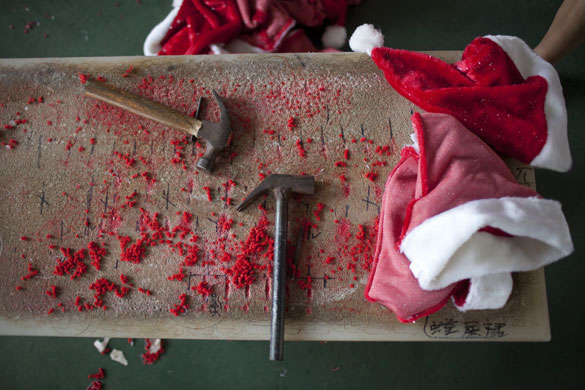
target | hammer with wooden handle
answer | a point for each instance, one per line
(214, 134)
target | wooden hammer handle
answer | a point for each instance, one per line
(142, 106)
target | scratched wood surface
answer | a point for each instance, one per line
(66, 180)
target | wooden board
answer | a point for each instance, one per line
(66, 182)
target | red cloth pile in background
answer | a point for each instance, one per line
(243, 26)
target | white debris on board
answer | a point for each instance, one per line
(101, 345)
(118, 356)
(154, 346)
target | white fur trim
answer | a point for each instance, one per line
(334, 36)
(240, 46)
(152, 43)
(414, 144)
(448, 247)
(488, 292)
(555, 154)
(218, 49)
(365, 38)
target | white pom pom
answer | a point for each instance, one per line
(365, 38)
(334, 37)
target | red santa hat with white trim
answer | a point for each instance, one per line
(501, 90)
(455, 223)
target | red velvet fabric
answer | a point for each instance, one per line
(200, 23)
(264, 24)
(452, 167)
(484, 90)
(269, 26)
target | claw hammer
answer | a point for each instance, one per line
(214, 134)
(281, 186)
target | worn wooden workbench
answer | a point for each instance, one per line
(75, 163)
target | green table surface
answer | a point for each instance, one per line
(78, 28)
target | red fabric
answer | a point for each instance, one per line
(200, 23)
(453, 167)
(296, 42)
(391, 282)
(263, 24)
(484, 91)
(268, 24)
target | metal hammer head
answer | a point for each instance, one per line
(285, 183)
(215, 136)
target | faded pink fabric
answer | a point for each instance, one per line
(391, 282)
(452, 166)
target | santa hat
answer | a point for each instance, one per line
(455, 222)
(501, 90)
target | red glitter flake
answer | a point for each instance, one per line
(92, 141)
(100, 287)
(317, 212)
(71, 264)
(32, 272)
(340, 164)
(83, 77)
(96, 253)
(100, 374)
(96, 385)
(257, 244)
(224, 224)
(132, 253)
(346, 154)
(102, 79)
(149, 357)
(208, 191)
(129, 161)
(291, 123)
(203, 288)
(124, 279)
(329, 260)
(11, 144)
(128, 71)
(52, 291)
(181, 307)
(372, 176)
(306, 284)
(179, 276)
(144, 291)
(301, 150)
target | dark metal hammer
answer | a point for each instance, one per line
(282, 186)
(214, 134)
